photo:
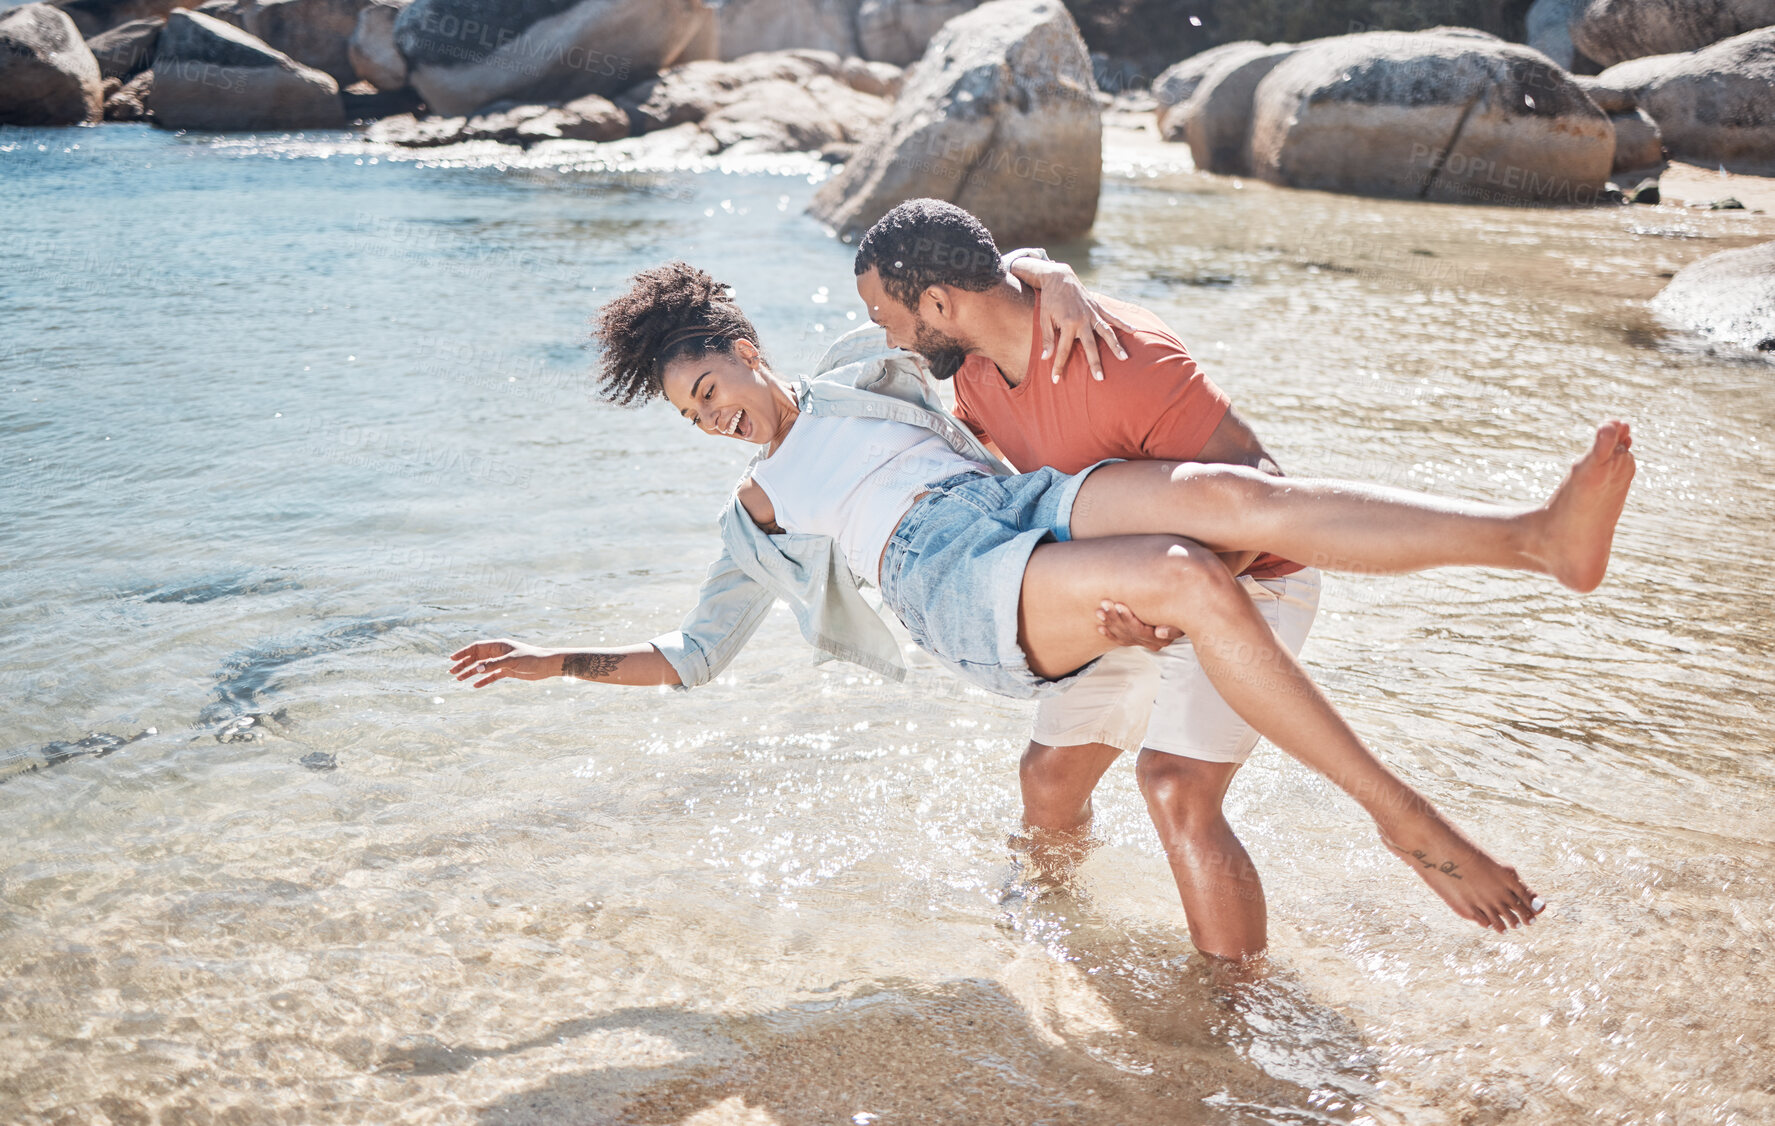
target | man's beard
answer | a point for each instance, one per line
(945, 354)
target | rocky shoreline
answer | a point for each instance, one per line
(995, 106)
(1448, 113)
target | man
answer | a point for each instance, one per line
(931, 275)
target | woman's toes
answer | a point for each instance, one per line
(1606, 439)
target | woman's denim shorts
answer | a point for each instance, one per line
(953, 571)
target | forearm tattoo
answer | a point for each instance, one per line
(590, 666)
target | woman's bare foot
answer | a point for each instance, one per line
(1577, 524)
(1467, 879)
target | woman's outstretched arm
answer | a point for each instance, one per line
(487, 661)
(729, 609)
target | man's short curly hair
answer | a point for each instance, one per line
(926, 242)
(670, 311)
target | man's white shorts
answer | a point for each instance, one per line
(1135, 698)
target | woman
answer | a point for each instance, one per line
(863, 476)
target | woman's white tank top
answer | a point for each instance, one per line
(853, 479)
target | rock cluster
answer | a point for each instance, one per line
(1613, 31)
(1714, 106)
(1456, 114)
(64, 63)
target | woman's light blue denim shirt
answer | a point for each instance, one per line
(859, 376)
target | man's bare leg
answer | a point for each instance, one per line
(1057, 784)
(1221, 892)
(1340, 526)
(1167, 579)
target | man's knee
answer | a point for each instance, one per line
(1036, 768)
(1057, 781)
(1188, 791)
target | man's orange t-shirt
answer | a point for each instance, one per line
(1154, 405)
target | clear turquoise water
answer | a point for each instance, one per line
(287, 419)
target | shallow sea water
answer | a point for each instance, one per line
(287, 420)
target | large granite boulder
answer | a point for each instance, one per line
(1613, 31)
(1728, 297)
(1178, 81)
(898, 31)
(316, 33)
(1177, 84)
(127, 49)
(374, 57)
(464, 54)
(1216, 121)
(95, 17)
(47, 74)
(745, 27)
(214, 76)
(1429, 115)
(1715, 106)
(1000, 116)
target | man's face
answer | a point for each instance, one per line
(907, 329)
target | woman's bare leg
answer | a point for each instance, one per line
(1341, 526)
(1168, 579)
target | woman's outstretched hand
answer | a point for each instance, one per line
(1070, 315)
(502, 659)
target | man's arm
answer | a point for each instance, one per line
(1233, 443)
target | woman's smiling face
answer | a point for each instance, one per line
(729, 394)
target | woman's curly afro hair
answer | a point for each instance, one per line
(670, 311)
